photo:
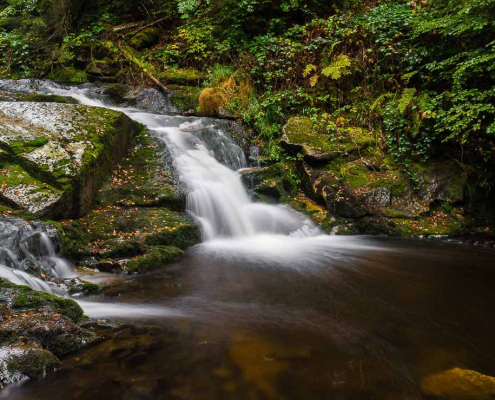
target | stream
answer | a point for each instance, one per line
(267, 306)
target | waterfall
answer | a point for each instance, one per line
(208, 161)
(25, 247)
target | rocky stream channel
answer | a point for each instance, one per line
(144, 254)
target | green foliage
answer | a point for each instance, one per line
(338, 67)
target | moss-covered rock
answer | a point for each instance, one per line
(154, 258)
(145, 38)
(459, 384)
(101, 69)
(24, 361)
(36, 98)
(375, 197)
(185, 99)
(138, 206)
(32, 361)
(55, 156)
(22, 298)
(300, 136)
(182, 76)
(31, 321)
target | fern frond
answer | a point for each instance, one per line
(407, 77)
(406, 98)
(338, 67)
(380, 100)
(309, 68)
(313, 80)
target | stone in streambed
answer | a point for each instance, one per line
(22, 362)
(459, 384)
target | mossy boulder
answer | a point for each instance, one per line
(300, 136)
(53, 157)
(24, 361)
(145, 38)
(374, 196)
(22, 298)
(102, 69)
(182, 76)
(138, 207)
(459, 384)
(154, 258)
(32, 321)
(184, 99)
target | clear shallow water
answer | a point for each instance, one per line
(367, 324)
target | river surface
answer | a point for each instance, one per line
(267, 307)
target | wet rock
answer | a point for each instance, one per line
(35, 327)
(154, 258)
(55, 155)
(22, 362)
(301, 137)
(459, 384)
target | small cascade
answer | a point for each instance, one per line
(29, 248)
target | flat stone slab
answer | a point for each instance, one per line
(53, 157)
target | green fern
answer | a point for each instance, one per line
(309, 68)
(338, 67)
(407, 77)
(406, 98)
(380, 100)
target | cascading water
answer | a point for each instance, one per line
(207, 160)
(26, 248)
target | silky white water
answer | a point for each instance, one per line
(24, 247)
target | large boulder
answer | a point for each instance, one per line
(53, 157)
(300, 136)
(357, 188)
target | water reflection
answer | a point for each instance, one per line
(370, 324)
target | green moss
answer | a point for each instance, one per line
(153, 259)
(68, 74)
(117, 92)
(28, 299)
(145, 38)
(301, 135)
(182, 76)
(184, 98)
(355, 174)
(47, 98)
(33, 362)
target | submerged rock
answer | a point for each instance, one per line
(459, 384)
(53, 156)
